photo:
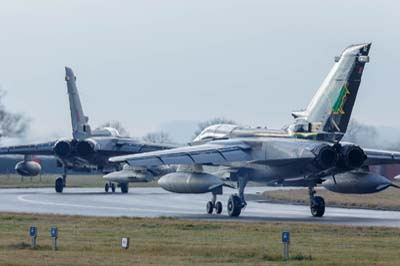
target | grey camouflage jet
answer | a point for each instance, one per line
(87, 149)
(308, 152)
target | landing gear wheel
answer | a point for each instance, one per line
(317, 206)
(59, 185)
(234, 206)
(218, 207)
(124, 187)
(106, 187)
(210, 207)
(113, 187)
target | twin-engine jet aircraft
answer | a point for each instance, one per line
(306, 153)
(87, 149)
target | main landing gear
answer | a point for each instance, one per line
(214, 204)
(124, 187)
(235, 206)
(237, 202)
(317, 203)
(61, 182)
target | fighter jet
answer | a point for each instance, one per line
(308, 152)
(87, 149)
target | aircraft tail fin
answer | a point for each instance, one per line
(330, 109)
(80, 127)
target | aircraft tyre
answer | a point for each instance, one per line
(210, 207)
(124, 188)
(317, 206)
(106, 187)
(59, 185)
(234, 206)
(218, 207)
(113, 187)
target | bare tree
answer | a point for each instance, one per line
(11, 124)
(117, 125)
(214, 121)
(158, 137)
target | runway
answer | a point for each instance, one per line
(155, 202)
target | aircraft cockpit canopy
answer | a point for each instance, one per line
(218, 131)
(106, 132)
(299, 126)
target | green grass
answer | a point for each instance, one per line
(385, 200)
(96, 241)
(16, 181)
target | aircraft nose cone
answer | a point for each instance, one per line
(161, 181)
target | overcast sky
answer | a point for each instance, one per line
(146, 63)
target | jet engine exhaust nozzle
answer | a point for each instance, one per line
(62, 148)
(85, 148)
(353, 156)
(326, 157)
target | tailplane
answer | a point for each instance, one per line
(330, 109)
(80, 126)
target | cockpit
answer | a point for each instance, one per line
(218, 131)
(105, 132)
(299, 126)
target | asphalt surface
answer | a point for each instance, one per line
(155, 202)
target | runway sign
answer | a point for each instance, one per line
(286, 242)
(54, 232)
(125, 242)
(285, 237)
(33, 231)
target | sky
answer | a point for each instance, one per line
(161, 64)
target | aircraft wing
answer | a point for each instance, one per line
(210, 153)
(221, 152)
(34, 149)
(379, 157)
(119, 147)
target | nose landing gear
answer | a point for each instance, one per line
(109, 186)
(214, 204)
